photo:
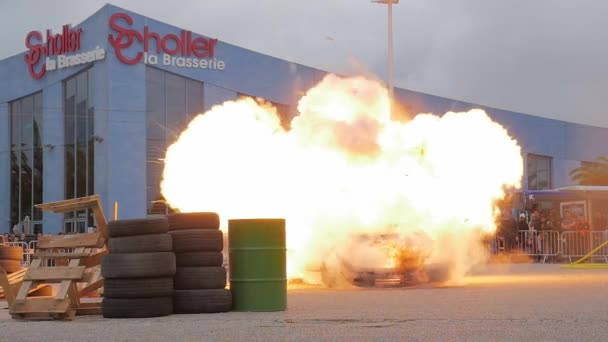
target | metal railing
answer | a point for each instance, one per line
(495, 245)
(570, 245)
(25, 259)
(575, 244)
(542, 244)
(597, 238)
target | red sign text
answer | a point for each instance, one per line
(65, 42)
(170, 44)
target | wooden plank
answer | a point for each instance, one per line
(65, 285)
(24, 290)
(69, 208)
(100, 220)
(92, 274)
(91, 287)
(36, 290)
(25, 287)
(95, 304)
(89, 311)
(41, 290)
(92, 240)
(91, 308)
(55, 273)
(63, 255)
(94, 260)
(90, 202)
(78, 203)
(73, 200)
(9, 294)
(40, 305)
(17, 276)
(74, 296)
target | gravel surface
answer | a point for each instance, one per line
(500, 303)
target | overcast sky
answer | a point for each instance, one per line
(542, 57)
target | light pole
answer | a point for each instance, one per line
(390, 45)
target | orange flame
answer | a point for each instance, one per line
(345, 169)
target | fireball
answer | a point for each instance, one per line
(345, 169)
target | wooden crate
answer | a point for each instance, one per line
(79, 257)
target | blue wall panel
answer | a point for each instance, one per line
(102, 120)
(126, 143)
(213, 95)
(53, 158)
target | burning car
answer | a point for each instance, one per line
(406, 263)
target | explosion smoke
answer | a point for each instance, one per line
(346, 169)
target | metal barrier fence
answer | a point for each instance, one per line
(542, 244)
(33, 245)
(597, 238)
(571, 245)
(496, 245)
(25, 259)
(576, 244)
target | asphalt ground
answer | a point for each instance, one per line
(500, 303)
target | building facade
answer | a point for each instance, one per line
(92, 109)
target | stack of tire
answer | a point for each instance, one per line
(10, 258)
(139, 269)
(200, 279)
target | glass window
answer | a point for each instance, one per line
(171, 102)
(539, 172)
(90, 137)
(26, 162)
(194, 99)
(155, 104)
(176, 106)
(69, 134)
(27, 155)
(15, 161)
(82, 137)
(79, 145)
(38, 169)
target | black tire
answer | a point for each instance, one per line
(157, 225)
(138, 288)
(197, 240)
(198, 278)
(11, 253)
(202, 301)
(141, 244)
(10, 266)
(136, 307)
(138, 265)
(199, 259)
(185, 221)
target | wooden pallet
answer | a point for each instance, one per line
(10, 283)
(80, 253)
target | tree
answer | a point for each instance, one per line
(591, 173)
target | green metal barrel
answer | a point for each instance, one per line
(258, 264)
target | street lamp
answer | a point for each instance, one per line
(390, 44)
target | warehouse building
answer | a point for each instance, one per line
(92, 109)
